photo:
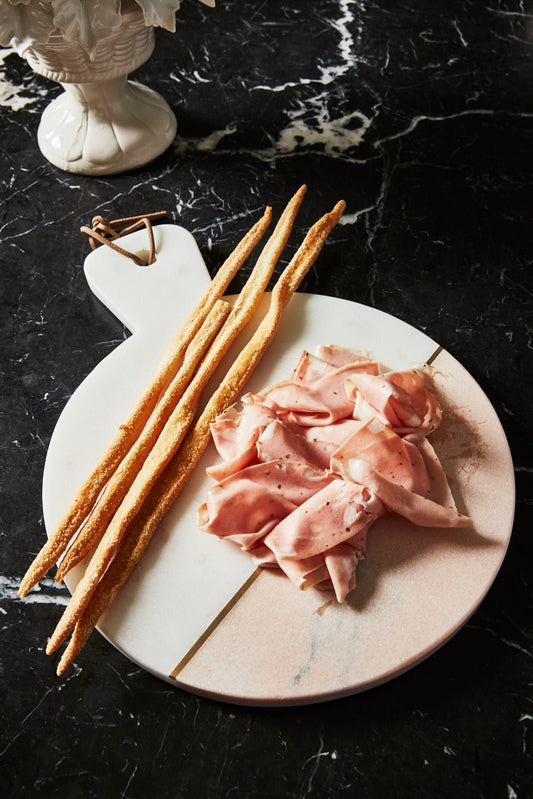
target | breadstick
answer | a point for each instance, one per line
(130, 430)
(119, 483)
(177, 424)
(173, 479)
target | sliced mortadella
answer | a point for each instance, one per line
(397, 459)
(220, 471)
(417, 509)
(310, 405)
(234, 431)
(263, 556)
(235, 434)
(313, 445)
(334, 570)
(279, 441)
(340, 356)
(309, 464)
(323, 402)
(304, 572)
(439, 490)
(333, 434)
(341, 563)
(358, 541)
(426, 406)
(399, 399)
(333, 515)
(224, 431)
(375, 396)
(309, 369)
(246, 506)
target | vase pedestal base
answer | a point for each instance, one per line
(105, 127)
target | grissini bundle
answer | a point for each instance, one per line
(129, 432)
(177, 424)
(172, 480)
(168, 420)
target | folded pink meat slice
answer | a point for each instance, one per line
(246, 506)
(417, 509)
(235, 433)
(235, 430)
(334, 434)
(311, 368)
(396, 458)
(313, 445)
(280, 441)
(334, 514)
(220, 471)
(439, 487)
(305, 572)
(339, 356)
(322, 402)
(334, 570)
(341, 563)
(399, 399)
(417, 384)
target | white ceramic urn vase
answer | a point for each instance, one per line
(102, 123)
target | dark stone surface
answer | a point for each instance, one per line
(420, 116)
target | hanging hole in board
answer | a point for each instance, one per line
(145, 257)
(107, 232)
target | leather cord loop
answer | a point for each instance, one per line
(107, 232)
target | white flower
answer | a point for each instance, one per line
(162, 13)
(24, 23)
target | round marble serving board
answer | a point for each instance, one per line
(196, 612)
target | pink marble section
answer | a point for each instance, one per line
(415, 589)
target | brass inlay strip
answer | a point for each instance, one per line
(214, 624)
(434, 355)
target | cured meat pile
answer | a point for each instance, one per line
(309, 464)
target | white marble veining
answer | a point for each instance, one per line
(420, 117)
(16, 96)
(48, 592)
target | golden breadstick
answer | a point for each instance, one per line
(130, 430)
(177, 424)
(119, 483)
(172, 480)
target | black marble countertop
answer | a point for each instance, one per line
(420, 117)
